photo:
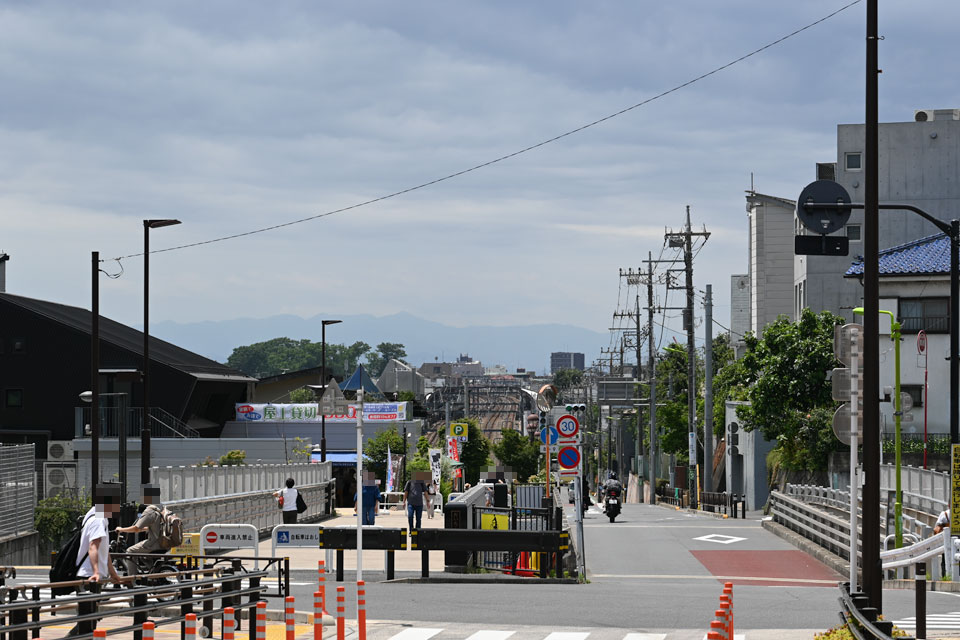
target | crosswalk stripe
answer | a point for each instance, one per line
(416, 633)
(490, 634)
(568, 635)
(645, 636)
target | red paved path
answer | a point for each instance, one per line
(783, 565)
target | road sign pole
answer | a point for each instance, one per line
(360, 485)
(854, 405)
(548, 467)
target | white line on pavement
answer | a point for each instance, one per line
(416, 634)
(490, 634)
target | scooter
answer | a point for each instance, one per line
(611, 503)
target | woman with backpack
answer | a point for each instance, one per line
(287, 499)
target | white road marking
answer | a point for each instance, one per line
(416, 633)
(568, 635)
(490, 634)
(939, 621)
(645, 636)
(720, 538)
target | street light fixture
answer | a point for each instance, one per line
(323, 369)
(145, 427)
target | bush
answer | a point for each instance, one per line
(235, 457)
(56, 516)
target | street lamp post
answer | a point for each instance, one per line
(95, 374)
(323, 373)
(145, 426)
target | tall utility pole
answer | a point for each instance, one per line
(652, 377)
(687, 244)
(872, 574)
(636, 278)
(708, 390)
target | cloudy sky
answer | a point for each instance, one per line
(234, 116)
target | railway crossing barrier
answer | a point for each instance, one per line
(374, 538)
(516, 542)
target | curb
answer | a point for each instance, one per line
(491, 580)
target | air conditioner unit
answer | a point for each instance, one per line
(59, 477)
(923, 115)
(60, 451)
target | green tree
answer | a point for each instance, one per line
(377, 360)
(475, 454)
(302, 395)
(376, 450)
(517, 452)
(784, 376)
(566, 378)
(273, 357)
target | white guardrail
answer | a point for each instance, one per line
(938, 545)
(185, 483)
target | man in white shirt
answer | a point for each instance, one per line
(93, 556)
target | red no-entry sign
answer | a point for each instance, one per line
(212, 536)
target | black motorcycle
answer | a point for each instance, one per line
(611, 503)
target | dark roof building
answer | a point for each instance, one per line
(45, 365)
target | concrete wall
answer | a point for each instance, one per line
(20, 550)
(771, 259)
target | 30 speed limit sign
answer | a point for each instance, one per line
(567, 426)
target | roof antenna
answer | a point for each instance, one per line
(752, 190)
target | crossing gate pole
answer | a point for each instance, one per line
(341, 624)
(318, 614)
(362, 610)
(229, 623)
(289, 617)
(261, 620)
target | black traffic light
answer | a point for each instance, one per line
(576, 408)
(543, 419)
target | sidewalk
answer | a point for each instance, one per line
(408, 561)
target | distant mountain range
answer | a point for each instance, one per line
(528, 346)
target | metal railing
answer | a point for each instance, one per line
(24, 612)
(726, 503)
(826, 530)
(18, 497)
(113, 420)
(862, 618)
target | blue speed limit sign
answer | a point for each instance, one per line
(568, 457)
(568, 426)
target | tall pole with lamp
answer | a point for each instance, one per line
(145, 429)
(323, 373)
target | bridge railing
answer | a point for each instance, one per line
(183, 483)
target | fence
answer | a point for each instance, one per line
(186, 483)
(163, 424)
(18, 497)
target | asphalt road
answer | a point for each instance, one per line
(647, 573)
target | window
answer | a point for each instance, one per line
(915, 391)
(853, 161)
(930, 314)
(853, 232)
(13, 398)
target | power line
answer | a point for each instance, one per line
(509, 155)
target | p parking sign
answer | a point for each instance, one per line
(458, 430)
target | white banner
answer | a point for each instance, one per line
(435, 455)
(310, 412)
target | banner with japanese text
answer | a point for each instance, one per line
(310, 412)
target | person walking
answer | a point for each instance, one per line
(371, 498)
(413, 498)
(287, 498)
(93, 556)
(429, 496)
(151, 521)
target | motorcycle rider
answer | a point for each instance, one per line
(611, 484)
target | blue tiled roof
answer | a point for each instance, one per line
(926, 256)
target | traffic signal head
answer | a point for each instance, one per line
(571, 408)
(543, 419)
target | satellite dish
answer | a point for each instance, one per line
(546, 397)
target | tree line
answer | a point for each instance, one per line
(280, 355)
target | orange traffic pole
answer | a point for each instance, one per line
(318, 615)
(261, 620)
(322, 582)
(362, 610)
(190, 627)
(148, 628)
(229, 623)
(99, 633)
(341, 624)
(289, 617)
